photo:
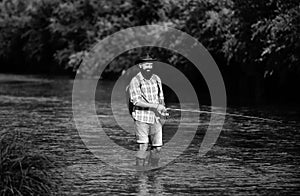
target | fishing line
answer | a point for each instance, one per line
(228, 114)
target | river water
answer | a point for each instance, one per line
(250, 157)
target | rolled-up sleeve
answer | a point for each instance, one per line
(135, 91)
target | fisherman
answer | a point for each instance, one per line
(147, 97)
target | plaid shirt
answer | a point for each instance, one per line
(145, 90)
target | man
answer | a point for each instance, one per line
(147, 97)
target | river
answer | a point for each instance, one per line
(250, 157)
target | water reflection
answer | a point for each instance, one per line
(149, 183)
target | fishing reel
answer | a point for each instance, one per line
(164, 114)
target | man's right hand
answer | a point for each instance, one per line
(161, 108)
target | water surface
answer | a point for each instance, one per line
(251, 157)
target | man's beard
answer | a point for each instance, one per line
(147, 74)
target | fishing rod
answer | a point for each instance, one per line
(219, 113)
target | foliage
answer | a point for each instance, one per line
(256, 37)
(23, 172)
(279, 40)
(267, 33)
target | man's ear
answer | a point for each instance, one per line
(140, 65)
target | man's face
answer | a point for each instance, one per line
(147, 66)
